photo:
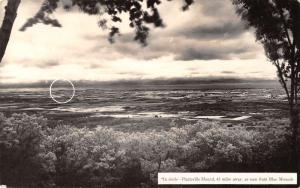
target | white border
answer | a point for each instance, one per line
(212, 178)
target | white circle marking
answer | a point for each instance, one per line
(60, 102)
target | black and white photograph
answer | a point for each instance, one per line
(134, 93)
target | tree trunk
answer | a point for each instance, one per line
(7, 24)
(294, 119)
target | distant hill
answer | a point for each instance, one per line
(147, 82)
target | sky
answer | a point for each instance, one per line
(208, 40)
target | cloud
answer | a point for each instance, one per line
(132, 73)
(6, 77)
(228, 72)
(219, 31)
(48, 64)
(210, 53)
(182, 48)
(197, 34)
(209, 31)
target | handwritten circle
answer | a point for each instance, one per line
(62, 102)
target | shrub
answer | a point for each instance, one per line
(34, 155)
(23, 158)
(217, 148)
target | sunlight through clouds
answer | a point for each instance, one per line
(187, 47)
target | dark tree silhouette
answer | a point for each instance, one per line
(7, 24)
(277, 28)
(141, 14)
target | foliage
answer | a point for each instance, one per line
(215, 148)
(277, 27)
(85, 157)
(103, 157)
(23, 159)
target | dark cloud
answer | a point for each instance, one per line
(94, 66)
(48, 64)
(211, 52)
(220, 31)
(228, 72)
(131, 73)
(192, 54)
(213, 20)
(196, 48)
(194, 73)
(217, 33)
(51, 63)
(215, 7)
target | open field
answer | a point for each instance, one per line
(151, 106)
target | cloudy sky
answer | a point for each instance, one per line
(206, 41)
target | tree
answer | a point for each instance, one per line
(23, 159)
(7, 24)
(139, 16)
(277, 28)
